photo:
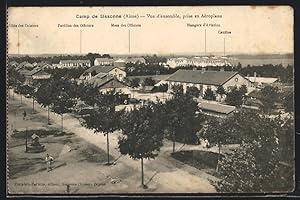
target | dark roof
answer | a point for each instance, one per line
(217, 108)
(41, 64)
(13, 62)
(41, 73)
(154, 77)
(23, 63)
(100, 69)
(255, 94)
(202, 77)
(24, 72)
(99, 81)
(34, 71)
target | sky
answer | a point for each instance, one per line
(254, 30)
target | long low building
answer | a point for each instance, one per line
(74, 63)
(198, 61)
(216, 109)
(207, 79)
(99, 69)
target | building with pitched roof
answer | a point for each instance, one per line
(35, 75)
(118, 61)
(74, 63)
(13, 63)
(108, 69)
(207, 79)
(262, 81)
(216, 109)
(107, 82)
(104, 61)
(24, 65)
(198, 61)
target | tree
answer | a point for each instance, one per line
(220, 132)
(103, 118)
(135, 82)
(255, 166)
(88, 93)
(181, 119)
(221, 91)
(149, 82)
(31, 90)
(243, 89)
(161, 88)
(234, 97)
(142, 135)
(62, 103)
(93, 73)
(239, 66)
(269, 97)
(209, 95)
(193, 91)
(177, 90)
(44, 96)
(288, 102)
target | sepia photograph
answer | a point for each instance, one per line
(152, 99)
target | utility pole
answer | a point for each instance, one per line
(224, 47)
(205, 42)
(129, 41)
(18, 45)
(80, 38)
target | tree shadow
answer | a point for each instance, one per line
(151, 178)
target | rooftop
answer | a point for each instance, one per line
(100, 69)
(154, 77)
(262, 79)
(201, 77)
(216, 107)
(75, 61)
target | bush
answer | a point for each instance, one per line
(209, 95)
(197, 159)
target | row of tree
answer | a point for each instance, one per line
(285, 74)
(55, 59)
(263, 161)
(146, 126)
(179, 119)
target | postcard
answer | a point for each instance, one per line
(152, 99)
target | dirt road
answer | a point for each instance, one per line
(164, 174)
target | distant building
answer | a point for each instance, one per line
(106, 70)
(159, 79)
(198, 61)
(135, 60)
(13, 63)
(107, 82)
(24, 65)
(104, 61)
(43, 65)
(262, 81)
(118, 61)
(207, 79)
(216, 109)
(34, 76)
(74, 63)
